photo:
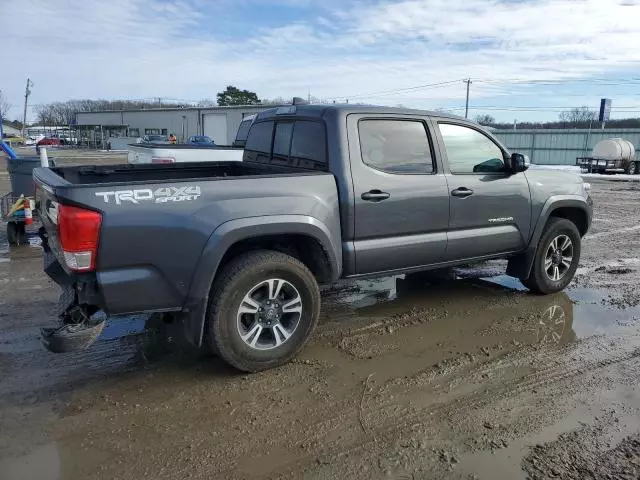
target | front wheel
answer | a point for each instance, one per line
(556, 259)
(264, 307)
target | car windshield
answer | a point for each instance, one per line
(201, 139)
(155, 138)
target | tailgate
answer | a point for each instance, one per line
(47, 206)
(71, 226)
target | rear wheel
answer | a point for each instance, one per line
(632, 168)
(263, 309)
(556, 259)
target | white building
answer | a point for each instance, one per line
(10, 131)
(219, 123)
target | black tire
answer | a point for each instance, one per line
(230, 287)
(538, 280)
(13, 233)
(631, 168)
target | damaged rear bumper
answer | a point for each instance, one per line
(75, 329)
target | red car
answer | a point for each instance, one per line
(46, 141)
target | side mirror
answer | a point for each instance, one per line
(519, 162)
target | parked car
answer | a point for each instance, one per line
(65, 138)
(200, 140)
(18, 141)
(48, 141)
(236, 250)
(160, 139)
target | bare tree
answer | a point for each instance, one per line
(5, 106)
(578, 115)
(289, 100)
(276, 101)
(64, 113)
(485, 119)
(207, 102)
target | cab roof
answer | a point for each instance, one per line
(318, 111)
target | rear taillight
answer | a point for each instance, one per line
(79, 231)
(163, 160)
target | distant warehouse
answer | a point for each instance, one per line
(219, 123)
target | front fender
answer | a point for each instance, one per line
(521, 266)
(233, 231)
(554, 203)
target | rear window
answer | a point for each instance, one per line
(258, 146)
(243, 130)
(299, 143)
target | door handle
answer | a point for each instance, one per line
(462, 192)
(375, 195)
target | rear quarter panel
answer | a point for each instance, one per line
(151, 242)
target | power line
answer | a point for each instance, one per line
(397, 90)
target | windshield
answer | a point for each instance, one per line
(156, 138)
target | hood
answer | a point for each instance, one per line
(555, 182)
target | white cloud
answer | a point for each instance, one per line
(177, 49)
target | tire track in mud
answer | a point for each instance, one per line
(587, 356)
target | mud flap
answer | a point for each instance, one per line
(520, 265)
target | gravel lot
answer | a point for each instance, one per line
(465, 378)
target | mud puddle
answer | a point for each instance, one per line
(401, 376)
(392, 325)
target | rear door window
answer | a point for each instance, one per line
(258, 146)
(309, 144)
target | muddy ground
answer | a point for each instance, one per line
(465, 378)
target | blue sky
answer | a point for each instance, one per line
(528, 59)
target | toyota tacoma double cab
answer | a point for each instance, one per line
(236, 251)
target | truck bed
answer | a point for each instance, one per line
(141, 173)
(157, 220)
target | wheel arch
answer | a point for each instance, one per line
(301, 236)
(571, 207)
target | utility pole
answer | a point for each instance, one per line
(466, 105)
(27, 92)
(1, 120)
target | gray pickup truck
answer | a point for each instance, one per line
(236, 250)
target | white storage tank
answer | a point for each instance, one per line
(614, 149)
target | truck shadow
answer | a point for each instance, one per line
(356, 319)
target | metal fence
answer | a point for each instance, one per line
(561, 147)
